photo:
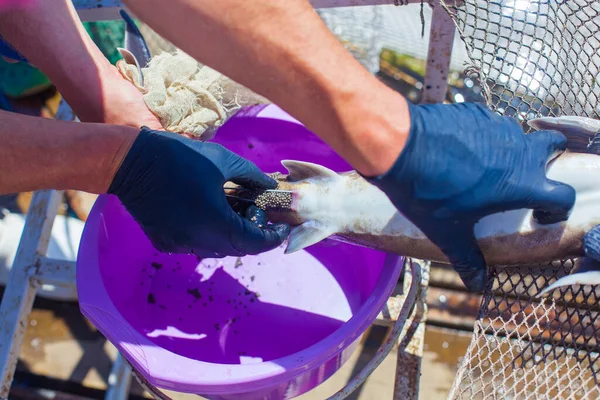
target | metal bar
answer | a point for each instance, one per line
(119, 380)
(104, 4)
(20, 290)
(355, 3)
(390, 342)
(56, 272)
(410, 347)
(441, 39)
(389, 315)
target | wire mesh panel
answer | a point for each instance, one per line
(533, 58)
(366, 30)
(523, 348)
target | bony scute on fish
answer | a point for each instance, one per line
(344, 206)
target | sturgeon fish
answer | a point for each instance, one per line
(346, 207)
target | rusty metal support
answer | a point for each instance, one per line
(56, 272)
(21, 288)
(408, 305)
(119, 380)
(410, 345)
(441, 39)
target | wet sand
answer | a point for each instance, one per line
(61, 344)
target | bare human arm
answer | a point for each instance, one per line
(286, 49)
(51, 36)
(154, 174)
(39, 153)
(282, 50)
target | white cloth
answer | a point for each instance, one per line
(186, 96)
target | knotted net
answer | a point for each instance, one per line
(533, 58)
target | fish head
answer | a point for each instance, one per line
(135, 51)
(580, 132)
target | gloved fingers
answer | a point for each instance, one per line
(591, 243)
(462, 250)
(201, 253)
(244, 172)
(553, 202)
(554, 142)
(257, 216)
(249, 238)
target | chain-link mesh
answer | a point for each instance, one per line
(366, 30)
(533, 58)
(525, 348)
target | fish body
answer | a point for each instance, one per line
(346, 207)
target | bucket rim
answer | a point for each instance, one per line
(215, 379)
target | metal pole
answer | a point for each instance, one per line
(441, 40)
(21, 288)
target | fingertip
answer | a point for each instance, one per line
(554, 141)
(556, 204)
(475, 280)
(464, 254)
(471, 268)
(246, 173)
(256, 216)
(591, 243)
(282, 230)
(256, 240)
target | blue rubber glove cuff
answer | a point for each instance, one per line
(6, 50)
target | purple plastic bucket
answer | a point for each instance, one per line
(271, 326)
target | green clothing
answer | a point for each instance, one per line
(21, 79)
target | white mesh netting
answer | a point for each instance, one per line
(533, 58)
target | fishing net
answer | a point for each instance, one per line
(533, 58)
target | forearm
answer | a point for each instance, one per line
(38, 154)
(51, 36)
(283, 51)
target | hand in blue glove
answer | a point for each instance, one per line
(6, 50)
(462, 162)
(173, 187)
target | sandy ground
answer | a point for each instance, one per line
(50, 349)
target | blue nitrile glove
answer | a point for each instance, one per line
(462, 162)
(173, 187)
(6, 50)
